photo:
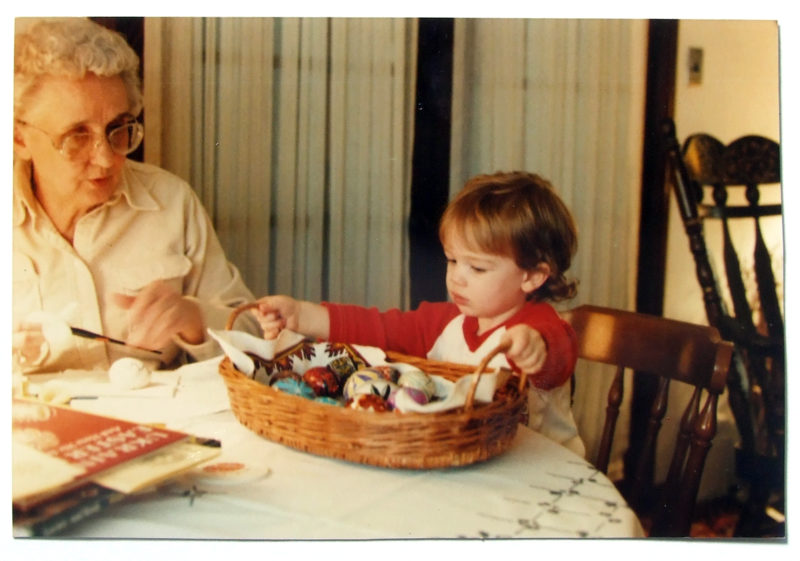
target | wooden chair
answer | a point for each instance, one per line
(757, 382)
(673, 351)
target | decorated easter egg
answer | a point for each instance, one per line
(295, 387)
(418, 380)
(322, 381)
(380, 387)
(342, 366)
(328, 400)
(357, 378)
(368, 402)
(386, 372)
(414, 394)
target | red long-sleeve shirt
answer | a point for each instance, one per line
(438, 331)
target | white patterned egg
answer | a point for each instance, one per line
(418, 396)
(359, 378)
(418, 380)
(382, 388)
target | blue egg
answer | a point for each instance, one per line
(295, 387)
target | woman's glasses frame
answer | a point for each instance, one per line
(122, 137)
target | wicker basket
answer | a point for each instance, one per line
(468, 434)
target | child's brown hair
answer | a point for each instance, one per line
(517, 214)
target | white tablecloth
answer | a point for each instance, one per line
(535, 489)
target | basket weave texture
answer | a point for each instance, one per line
(462, 436)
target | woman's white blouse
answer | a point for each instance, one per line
(153, 228)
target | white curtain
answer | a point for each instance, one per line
(564, 99)
(297, 134)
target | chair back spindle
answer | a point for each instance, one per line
(615, 394)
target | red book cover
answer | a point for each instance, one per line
(55, 448)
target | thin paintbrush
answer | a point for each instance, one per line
(91, 335)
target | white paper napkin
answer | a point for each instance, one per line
(235, 345)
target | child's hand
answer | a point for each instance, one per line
(275, 313)
(527, 348)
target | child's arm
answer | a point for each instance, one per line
(275, 313)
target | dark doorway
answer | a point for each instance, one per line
(430, 176)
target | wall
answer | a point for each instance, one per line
(738, 95)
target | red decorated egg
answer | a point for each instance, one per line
(322, 381)
(368, 402)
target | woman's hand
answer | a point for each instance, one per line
(527, 350)
(275, 313)
(158, 313)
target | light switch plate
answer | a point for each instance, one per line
(695, 65)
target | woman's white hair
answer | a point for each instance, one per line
(72, 48)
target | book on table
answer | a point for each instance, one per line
(56, 449)
(58, 513)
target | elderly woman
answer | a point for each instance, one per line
(102, 242)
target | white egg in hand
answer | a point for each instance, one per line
(129, 373)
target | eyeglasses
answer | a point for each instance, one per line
(122, 138)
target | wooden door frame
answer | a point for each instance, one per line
(654, 211)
